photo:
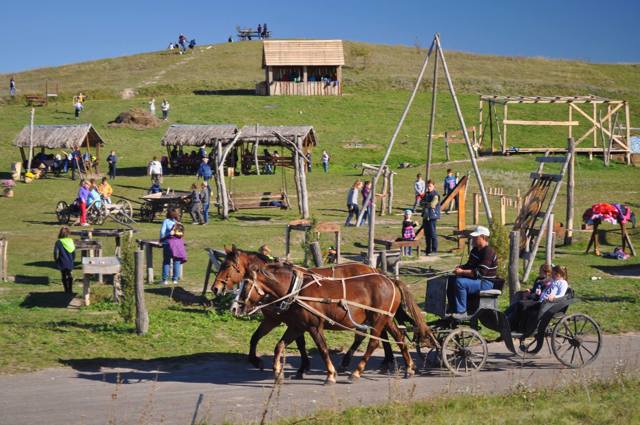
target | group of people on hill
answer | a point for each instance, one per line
(165, 106)
(182, 45)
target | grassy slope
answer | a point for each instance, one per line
(363, 114)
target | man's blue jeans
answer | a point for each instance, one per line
(166, 264)
(464, 287)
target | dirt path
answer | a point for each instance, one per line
(130, 92)
(219, 387)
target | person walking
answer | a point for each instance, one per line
(205, 197)
(325, 161)
(366, 189)
(204, 170)
(12, 87)
(352, 202)
(78, 107)
(112, 161)
(64, 254)
(172, 228)
(418, 189)
(430, 215)
(450, 182)
(165, 107)
(196, 205)
(76, 160)
(154, 169)
(152, 106)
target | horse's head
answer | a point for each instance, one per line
(252, 291)
(231, 272)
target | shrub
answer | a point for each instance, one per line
(127, 308)
(500, 242)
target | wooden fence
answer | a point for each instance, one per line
(506, 201)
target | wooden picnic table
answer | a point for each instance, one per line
(89, 234)
(100, 266)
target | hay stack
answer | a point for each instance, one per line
(135, 118)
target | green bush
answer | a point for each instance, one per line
(127, 308)
(500, 242)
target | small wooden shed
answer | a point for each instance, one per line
(65, 137)
(302, 68)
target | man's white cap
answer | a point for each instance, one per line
(481, 231)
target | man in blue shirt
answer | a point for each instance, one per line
(112, 160)
(204, 170)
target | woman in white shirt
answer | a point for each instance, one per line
(352, 202)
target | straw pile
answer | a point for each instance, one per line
(135, 118)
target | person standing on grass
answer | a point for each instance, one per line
(418, 189)
(112, 161)
(430, 215)
(352, 202)
(82, 200)
(366, 189)
(205, 197)
(12, 88)
(64, 254)
(204, 170)
(169, 230)
(77, 106)
(154, 169)
(450, 182)
(164, 106)
(325, 161)
(196, 205)
(152, 106)
(76, 159)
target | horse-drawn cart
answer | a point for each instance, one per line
(574, 339)
(156, 203)
(97, 212)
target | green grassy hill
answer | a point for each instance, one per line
(368, 66)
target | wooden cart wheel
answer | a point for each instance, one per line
(124, 211)
(95, 216)
(147, 213)
(63, 213)
(576, 340)
(464, 351)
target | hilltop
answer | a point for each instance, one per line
(237, 66)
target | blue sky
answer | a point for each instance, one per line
(41, 33)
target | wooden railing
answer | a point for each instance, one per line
(310, 88)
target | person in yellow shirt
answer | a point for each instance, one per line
(105, 190)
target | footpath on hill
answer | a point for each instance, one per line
(216, 387)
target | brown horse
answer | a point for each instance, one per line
(236, 266)
(367, 301)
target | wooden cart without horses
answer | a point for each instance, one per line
(120, 212)
(574, 339)
(156, 203)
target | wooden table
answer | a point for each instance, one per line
(89, 234)
(391, 244)
(100, 266)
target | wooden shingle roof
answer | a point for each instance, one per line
(59, 136)
(198, 135)
(302, 52)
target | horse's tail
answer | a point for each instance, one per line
(423, 330)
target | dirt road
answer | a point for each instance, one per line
(219, 387)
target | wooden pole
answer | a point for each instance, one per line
(446, 147)
(571, 184)
(142, 317)
(480, 122)
(316, 253)
(503, 210)
(287, 242)
(491, 127)
(224, 196)
(472, 157)
(388, 152)
(549, 241)
(476, 209)
(255, 154)
(505, 112)
(390, 200)
(148, 251)
(33, 113)
(514, 255)
(338, 246)
(627, 118)
(433, 115)
(3, 260)
(302, 169)
(385, 188)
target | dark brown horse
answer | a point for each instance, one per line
(236, 266)
(367, 301)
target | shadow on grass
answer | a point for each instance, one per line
(626, 270)
(253, 218)
(45, 264)
(31, 280)
(225, 92)
(177, 294)
(47, 223)
(93, 327)
(47, 300)
(607, 299)
(131, 172)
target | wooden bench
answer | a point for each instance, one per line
(391, 244)
(101, 266)
(255, 200)
(35, 100)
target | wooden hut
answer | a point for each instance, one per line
(181, 135)
(64, 137)
(302, 68)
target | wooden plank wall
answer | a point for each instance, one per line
(310, 88)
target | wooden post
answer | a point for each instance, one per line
(148, 251)
(503, 210)
(549, 241)
(514, 255)
(462, 200)
(447, 157)
(383, 200)
(570, 119)
(480, 122)
(302, 169)
(472, 157)
(222, 186)
(491, 126)
(255, 154)
(504, 127)
(433, 116)
(296, 178)
(33, 113)
(390, 200)
(86, 290)
(117, 288)
(627, 118)
(595, 133)
(571, 184)
(338, 246)
(476, 209)
(316, 253)
(142, 317)
(287, 241)
(3, 260)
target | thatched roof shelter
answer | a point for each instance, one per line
(60, 137)
(266, 134)
(198, 135)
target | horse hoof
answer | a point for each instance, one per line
(354, 377)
